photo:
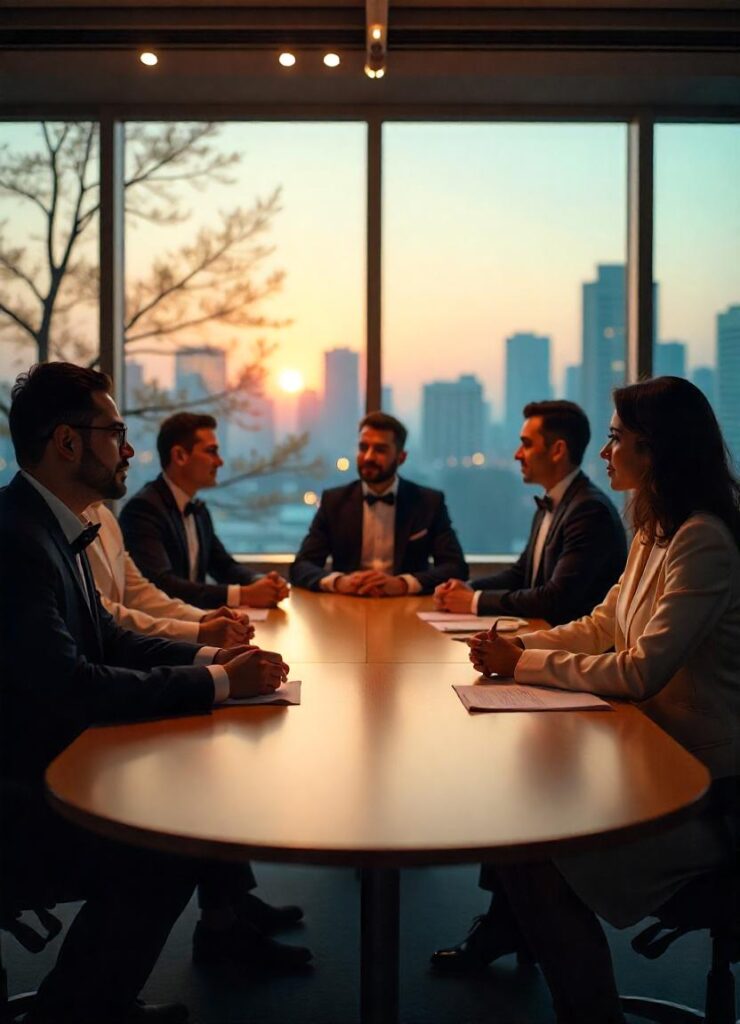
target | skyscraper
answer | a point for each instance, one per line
(704, 378)
(573, 390)
(728, 378)
(341, 411)
(527, 377)
(200, 371)
(603, 358)
(452, 420)
(669, 359)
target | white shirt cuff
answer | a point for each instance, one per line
(328, 582)
(474, 601)
(206, 655)
(221, 687)
(234, 595)
(412, 583)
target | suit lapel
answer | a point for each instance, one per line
(173, 513)
(203, 543)
(402, 528)
(529, 551)
(644, 584)
(352, 526)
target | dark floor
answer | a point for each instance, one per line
(436, 907)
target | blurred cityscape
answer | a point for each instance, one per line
(460, 447)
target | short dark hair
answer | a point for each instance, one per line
(384, 421)
(48, 395)
(564, 421)
(180, 429)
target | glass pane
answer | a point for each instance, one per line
(503, 283)
(245, 286)
(49, 263)
(697, 263)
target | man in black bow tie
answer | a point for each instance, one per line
(381, 532)
(169, 532)
(576, 551)
(577, 546)
(65, 665)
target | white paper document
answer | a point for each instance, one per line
(513, 697)
(288, 693)
(476, 623)
(255, 614)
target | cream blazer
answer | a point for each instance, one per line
(673, 621)
(133, 601)
(666, 636)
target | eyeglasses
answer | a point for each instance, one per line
(119, 429)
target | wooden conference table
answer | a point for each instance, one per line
(380, 767)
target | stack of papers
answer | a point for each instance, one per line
(505, 696)
(255, 614)
(446, 622)
(288, 693)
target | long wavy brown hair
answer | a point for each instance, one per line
(690, 469)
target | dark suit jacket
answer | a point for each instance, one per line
(65, 665)
(584, 554)
(155, 538)
(423, 532)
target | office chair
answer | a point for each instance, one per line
(711, 902)
(23, 888)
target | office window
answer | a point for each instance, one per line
(503, 282)
(697, 263)
(245, 291)
(48, 252)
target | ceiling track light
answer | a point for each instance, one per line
(376, 37)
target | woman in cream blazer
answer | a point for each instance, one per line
(666, 636)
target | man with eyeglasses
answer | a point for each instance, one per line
(170, 533)
(65, 665)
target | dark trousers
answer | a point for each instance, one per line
(132, 898)
(568, 941)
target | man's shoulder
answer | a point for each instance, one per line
(585, 492)
(333, 496)
(151, 494)
(420, 493)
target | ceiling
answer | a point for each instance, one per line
(662, 54)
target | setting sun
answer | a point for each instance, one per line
(291, 380)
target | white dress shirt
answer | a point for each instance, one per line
(378, 539)
(233, 590)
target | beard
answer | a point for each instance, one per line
(95, 475)
(371, 472)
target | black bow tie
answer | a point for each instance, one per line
(544, 504)
(387, 499)
(192, 507)
(87, 536)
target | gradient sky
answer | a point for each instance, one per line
(488, 229)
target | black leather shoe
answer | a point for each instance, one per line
(241, 943)
(487, 940)
(265, 917)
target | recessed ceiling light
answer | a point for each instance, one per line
(287, 59)
(149, 58)
(332, 60)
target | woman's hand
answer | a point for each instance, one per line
(492, 655)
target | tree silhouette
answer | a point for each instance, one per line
(216, 280)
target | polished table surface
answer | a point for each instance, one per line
(379, 767)
(380, 764)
